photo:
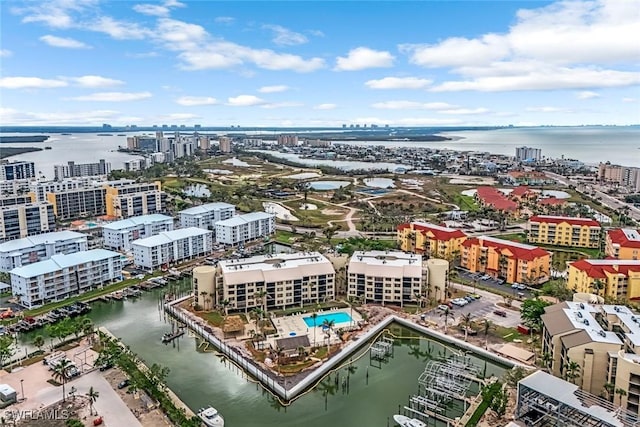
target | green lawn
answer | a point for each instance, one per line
(285, 236)
(466, 203)
(213, 317)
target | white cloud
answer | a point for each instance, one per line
(285, 37)
(190, 101)
(273, 89)
(142, 55)
(54, 13)
(114, 96)
(30, 83)
(178, 117)
(325, 107)
(362, 58)
(544, 78)
(547, 109)
(399, 83)
(64, 42)
(11, 116)
(157, 9)
(629, 99)
(464, 111)
(286, 104)
(565, 45)
(408, 121)
(412, 105)
(95, 81)
(245, 101)
(224, 20)
(199, 51)
(119, 30)
(5, 53)
(587, 94)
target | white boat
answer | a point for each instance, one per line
(403, 421)
(210, 417)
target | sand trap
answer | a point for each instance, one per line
(279, 211)
(308, 207)
(473, 180)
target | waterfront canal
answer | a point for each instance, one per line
(201, 378)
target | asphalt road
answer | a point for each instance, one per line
(494, 284)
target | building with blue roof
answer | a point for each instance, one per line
(118, 235)
(205, 216)
(65, 275)
(40, 247)
(244, 228)
(171, 247)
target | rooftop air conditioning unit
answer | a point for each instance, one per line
(602, 333)
(579, 315)
(582, 306)
(586, 322)
(616, 308)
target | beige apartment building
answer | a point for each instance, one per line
(386, 277)
(287, 280)
(604, 341)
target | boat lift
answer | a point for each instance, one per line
(381, 351)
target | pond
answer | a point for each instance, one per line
(197, 190)
(237, 162)
(328, 185)
(379, 182)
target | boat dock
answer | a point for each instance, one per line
(170, 336)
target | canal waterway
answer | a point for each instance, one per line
(200, 377)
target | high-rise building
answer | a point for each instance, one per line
(17, 170)
(119, 235)
(134, 199)
(72, 169)
(77, 202)
(564, 231)
(205, 216)
(528, 154)
(287, 140)
(171, 246)
(244, 228)
(623, 243)
(430, 239)
(224, 143)
(615, 278)
(20, 221)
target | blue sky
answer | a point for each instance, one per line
(300, 63)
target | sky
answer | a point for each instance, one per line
(304, 63)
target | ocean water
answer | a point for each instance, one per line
(589, 144)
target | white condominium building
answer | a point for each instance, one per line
(118, 235)
(171, 246)
(386, 276)
(63, 276)
(287, 279)
(206, 216)
(39, 247)
(244, 228)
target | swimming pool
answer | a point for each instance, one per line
(338, 317)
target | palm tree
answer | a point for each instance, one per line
(487, 326)
(621, 392)
(572, 372)
(466, 322)
(257, 314)
(225, 307)
(447, 313)
(262, 296)
(547, 360)
(38, 341)
(482, 260)
(314, 316)
(328, 326)
(597, 286)
(61, 374)
(609, 389)
(93, 396)
(203, 294)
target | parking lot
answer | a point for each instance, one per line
(482, 308)
(492, 283)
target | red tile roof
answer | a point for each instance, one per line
(519, 250)
(403, 226)
(497, 199)
(439, 232)
(521, 190)
(569, 220)
(551, 201)
(597, 268)
(620, 237)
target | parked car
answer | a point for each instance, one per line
(443, 307)
(500, 313)
(105, 366)
(124, 383)
(475, 296)
(515, 286)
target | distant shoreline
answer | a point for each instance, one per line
(14, 151)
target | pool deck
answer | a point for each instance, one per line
(295, 323)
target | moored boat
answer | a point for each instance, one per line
(211, 417)
(403, 421)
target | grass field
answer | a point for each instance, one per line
(466, 203)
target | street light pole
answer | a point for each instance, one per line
(22, 389)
